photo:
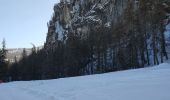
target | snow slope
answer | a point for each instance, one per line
(141, 84)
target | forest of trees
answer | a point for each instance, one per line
(136, 41)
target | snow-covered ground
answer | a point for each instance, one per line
(151, 83)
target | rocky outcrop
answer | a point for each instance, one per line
(97, 34)
(82, 16)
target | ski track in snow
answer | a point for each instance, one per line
(152, 83)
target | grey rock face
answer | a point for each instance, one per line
(82, 16)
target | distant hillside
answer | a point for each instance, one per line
(17, 52)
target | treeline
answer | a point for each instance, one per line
(136, 41)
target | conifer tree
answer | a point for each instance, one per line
(3, 62)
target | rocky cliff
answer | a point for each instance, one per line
(107, 35)
(82, 16)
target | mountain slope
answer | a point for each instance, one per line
(142, 84)
(16, 52)
(94, 36)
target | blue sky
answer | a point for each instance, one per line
(23, 22)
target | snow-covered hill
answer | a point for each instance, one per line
(142, 84)
(17, 52)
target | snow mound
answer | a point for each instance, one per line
(151, 83)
